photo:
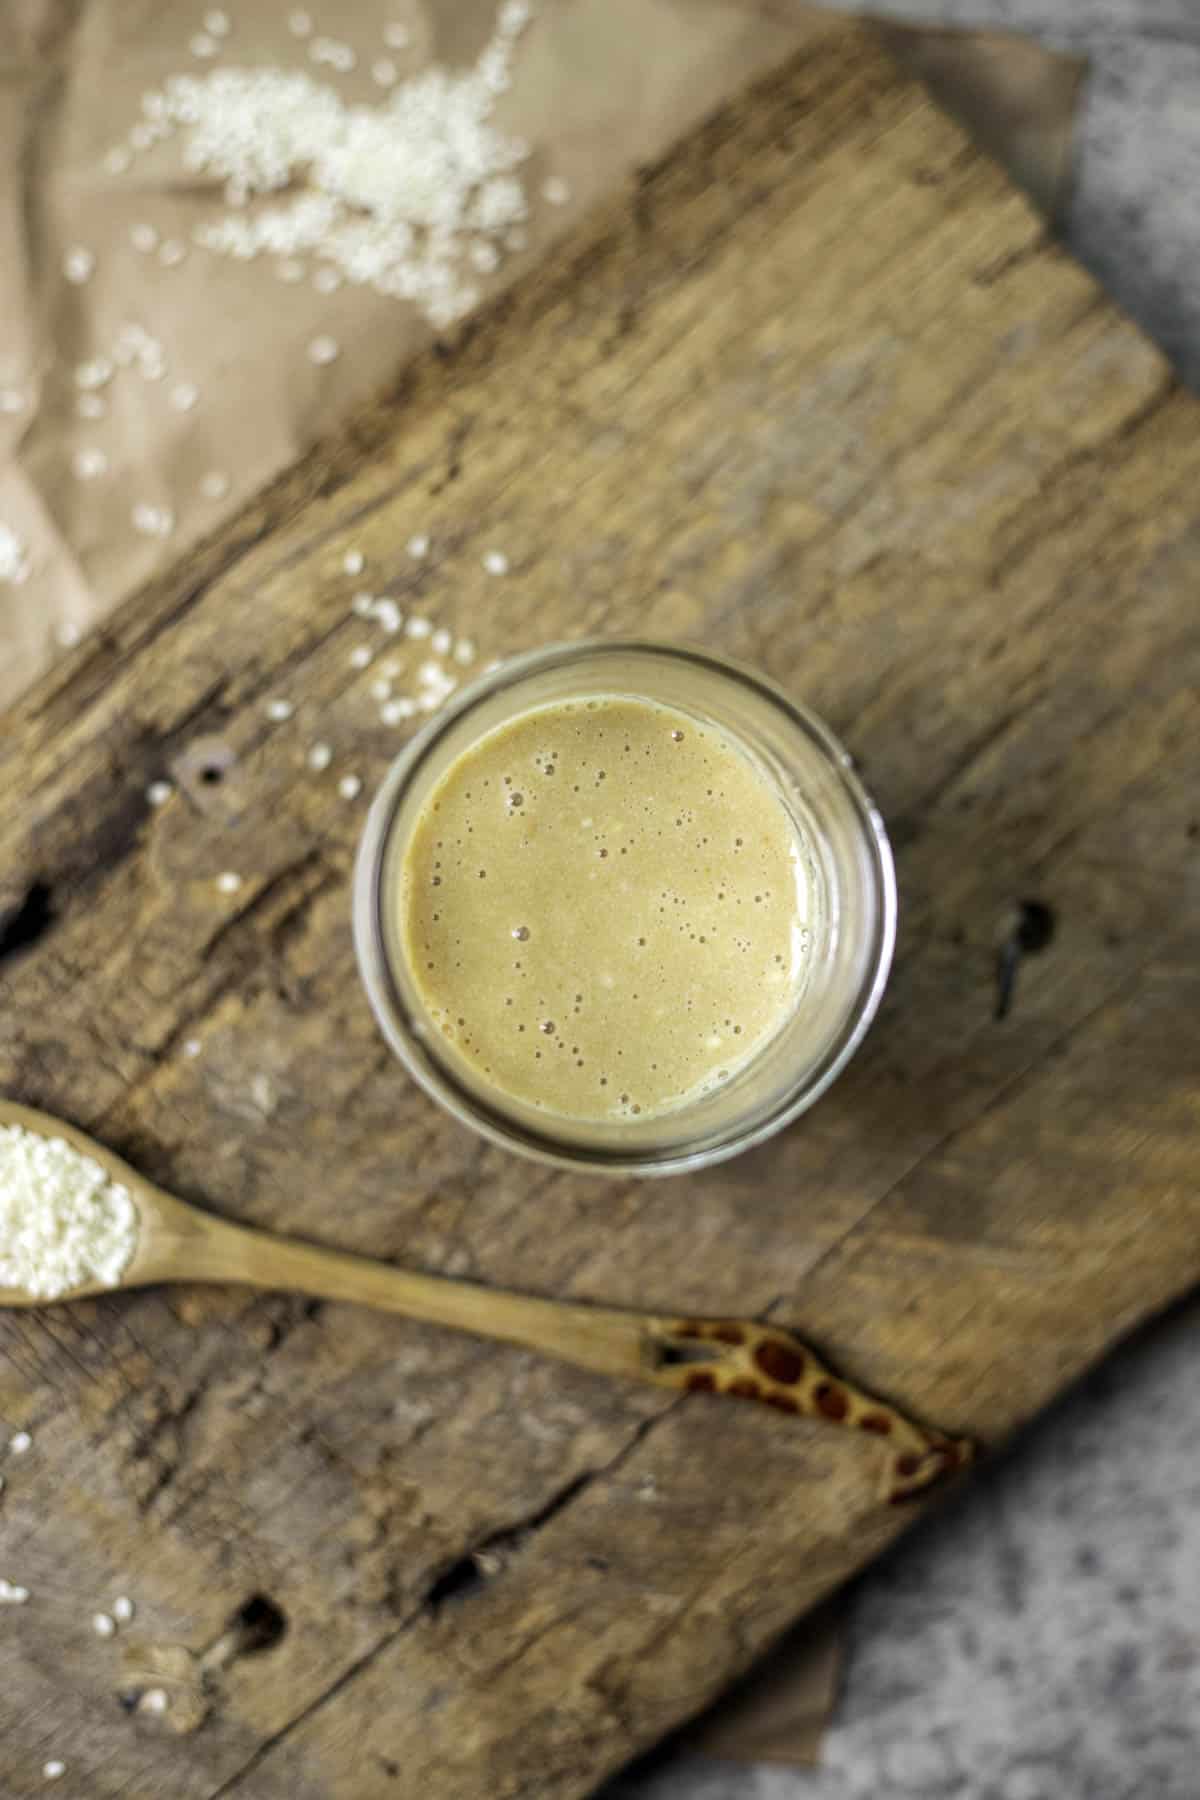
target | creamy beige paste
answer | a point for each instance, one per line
(603, 906)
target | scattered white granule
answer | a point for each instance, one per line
(279, 710)
(397, 37)
(54, 1768)
(350, 787)
(217, 24)
(495, 562)
(202, 45)
(20, 1443)
(354, 562)
(103, 1625)
(78, 265)
(389, 615)
(484, 257)
(395, 711)
(68, 634)
(363, 605)
(393, 194)
(122, 1609)
(464, 651)
(324, 350)
(95, 374)
(418, 546)
(90, 406)
(12, 400)
(184, 395)
(381, 689)
(320, 757)
(159, 792)
(14, 557)
(214, 485)
(327, 281)
(192, 1047)
(154, 1700)
(418, 628)
(229, 882)
(153, 521)
(555, 191)
(12, 1593)
(171, 253)
(63, 1222)
(441, 641)
(360, 656)
(88, 463)
(143, 237)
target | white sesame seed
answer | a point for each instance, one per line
(363, 605)
(88, 463)
(349, 787)
(397, 710)
(12, 400)
(184, 395)
(153, 521)
(53, 1769)
(360, 656)
(78, 265)
(117, 160)
(95, 374)
(381, 689)
(20, 1443)
(12, 1593)
(214, 485)
(192, 1046)
(229, 882)
(418, 628)
(217, 24)
(290, 270)
(159, 792)
(171, 253)
(384, 71)
(68, 634)
(279, 710)
(102, 1625)
(484, 257)
(418, 546)
(555, 191)
(495, 562)
(354, 562)
(299, 24)
(320, 757)
(389, 615)
(429, 701)
(202, 45)
(323, 350)
(464, 651)
(397, 37)
(154, 1700)
(122, 1609)
(143, 237)
(90, 406)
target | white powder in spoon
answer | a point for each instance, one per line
(63, 1222)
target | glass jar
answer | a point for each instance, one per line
(849, 869)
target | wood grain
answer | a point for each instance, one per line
(818, 394)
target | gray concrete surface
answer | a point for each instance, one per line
(1040, 1640)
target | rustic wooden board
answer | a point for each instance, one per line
(820, 395)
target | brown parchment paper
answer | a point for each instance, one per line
(599, 87)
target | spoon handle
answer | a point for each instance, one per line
(742, 1358)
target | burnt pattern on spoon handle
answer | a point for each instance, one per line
(750, 1361)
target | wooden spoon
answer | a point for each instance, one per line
(738, 1357)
